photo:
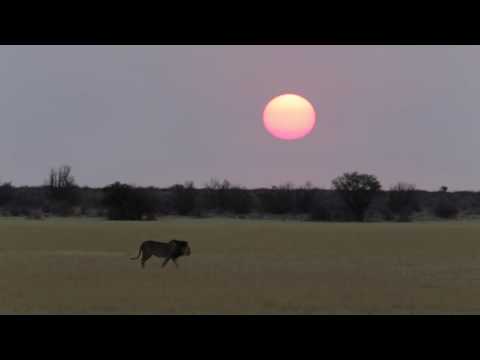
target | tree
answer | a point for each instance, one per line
(357, 191)
(402, 200)
(62, 189)
(61, 184)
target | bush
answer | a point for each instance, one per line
(239, 201)
(328, 206)
(304, 197)
(126, 202)
(184, 198)
(27, 198)
(446, 209)
(59, 208)
(278, 200)
(405, 216)
(402, 201)
(6, 193)
(320, 212)
(36, 214)
(387, 214)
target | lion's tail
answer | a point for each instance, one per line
(139, 252)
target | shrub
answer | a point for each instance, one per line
(126, 202)
(402, 200)
(239, 201)
(184, 198)
(446, 209)
(319, 212)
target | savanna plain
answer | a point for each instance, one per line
(83, 266)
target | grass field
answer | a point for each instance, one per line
(240, 267)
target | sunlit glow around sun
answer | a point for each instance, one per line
(289, 117)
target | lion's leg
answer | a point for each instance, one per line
(145, 258)
(165, 262)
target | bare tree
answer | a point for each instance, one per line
(62, 188)
(61, 178)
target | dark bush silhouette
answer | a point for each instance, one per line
(320, 212)
(209, 196)
(386, 214)
(304, 198)
(90, 201)
(446, 209)
(216, 195)
(328, 206)
(239, 201)
(358, 191)
(445, 206)
(402, 201)
(222, 197)
(184, 198)
(278, 200)
(36, 215)
(6, 193)
(126, 202)
(354, 197)
(222, 192)
(26, 199)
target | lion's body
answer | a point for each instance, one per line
(170, 251)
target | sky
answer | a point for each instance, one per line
(161, 115)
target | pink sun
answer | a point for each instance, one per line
(289, 117)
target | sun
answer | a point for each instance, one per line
(289, 117)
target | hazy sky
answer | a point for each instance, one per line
(159, 115)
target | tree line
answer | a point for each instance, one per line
(353, 196)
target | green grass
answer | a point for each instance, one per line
(240, 267)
